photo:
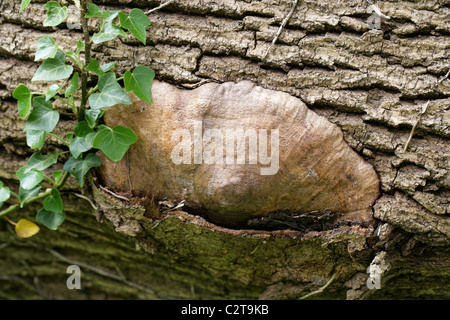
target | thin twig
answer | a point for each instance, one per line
(445, 77)
(29, 285)
(87, 199)
(160, 7)
(320, 290)
(119, 277)
(424, 109)
(113, 194)
(378, 11)
(283, 24)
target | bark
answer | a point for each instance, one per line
(370, 83)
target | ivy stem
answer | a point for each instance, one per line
(92, 90)
(87, 59)
(49, 179)
(60, 139)
(65, 101)
(10, 221)
(16, 207)
(15, 195)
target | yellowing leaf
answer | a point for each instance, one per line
(26, 229)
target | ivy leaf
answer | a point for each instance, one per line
(82, 129)
(79, 167)
(83, 140)
(95, 12)
(50, 219)
(108, 66)
(92, 116)
(109, 32)
(5, 193)
(111, 93)
(30, 179)
(136, 23)
(53, 69)
(94, 67)
(57, 174)
(55, 15)
(140, 82)
(25, 194)
(80, 46)
(78, 146)
(76, 55)
(69, 136)
(26, 229)
(114, 142)
(43, 117)
(23, 5)
(35, 138)
(74, 85)
(53, 202)
(46, 48)
(23, 96)
(40, 162)
(54, 89)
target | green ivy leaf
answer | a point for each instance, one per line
(23, 5)
(43, 117)
(46, 48)
(92, 116)
(95, 12)
(94, 67)
(80, 46)
(57, 174)
(79, 167)
(5, 193)
(30, 179)
(40, 162)
(35, 138)
(53, 69)
(114, 143)
(109, 32)
(83, 140)
(78, 146)
(55, 15)
(140, 82)
(54, 89)
(69, 136)
(136, 23)
(108, 66)
(50, 219)
(53, 202)
(25, 194)
(74, 85)
(111, 93)
(23, 96)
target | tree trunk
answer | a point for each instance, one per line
(371, 83)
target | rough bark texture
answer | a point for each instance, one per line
(371, 83)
